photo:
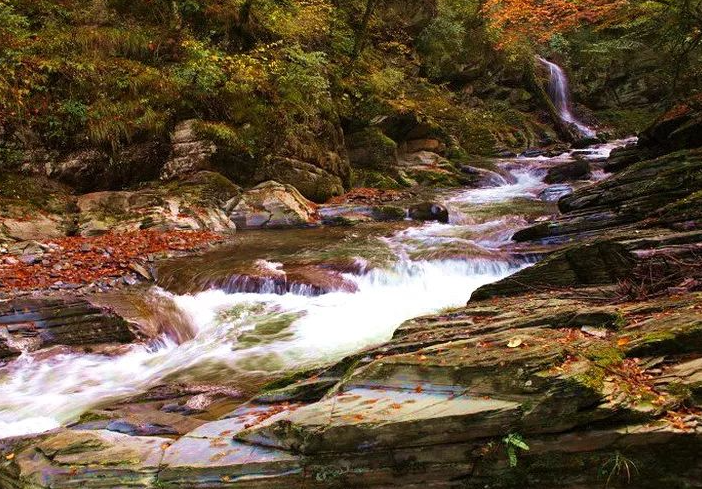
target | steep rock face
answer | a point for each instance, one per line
(272, 205)
(93, 169)
(34, 208)
(313, 182)
(190, 152)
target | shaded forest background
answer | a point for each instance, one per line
(292, 88)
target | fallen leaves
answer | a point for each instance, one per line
(82, 260)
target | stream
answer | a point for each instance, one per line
(233, 331)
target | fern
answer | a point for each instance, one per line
(513, 442)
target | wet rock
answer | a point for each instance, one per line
(351, 214)
(481, 177)
(532, 153)
(586, 142)
(86, 458)
(661, 191)
(62, 322)
(601, 262)
(429, 211)
(621, 158)
(567, 172)
(148, 429)
(272, 205)
(554, 193)
(190, 152)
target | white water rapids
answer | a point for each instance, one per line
(41, 393)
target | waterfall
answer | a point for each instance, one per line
(560, 94)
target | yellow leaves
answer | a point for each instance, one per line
(10, 456)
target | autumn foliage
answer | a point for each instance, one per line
(537, 21)
(80, 260)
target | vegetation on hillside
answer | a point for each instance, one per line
(274, 79)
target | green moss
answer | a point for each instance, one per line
(20, 194)
(375, 179)
(605, 356)
(625, 122)
(372, 149)
(592, 378)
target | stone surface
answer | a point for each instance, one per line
(87, 459)
(190, 153)
(568, 172)
(656, 192)
(193, 204)
(272, 205)
(554, 193)
(429, 211)
(312, 181)
(31, 324)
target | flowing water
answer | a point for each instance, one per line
(398, 272)
(560, 94)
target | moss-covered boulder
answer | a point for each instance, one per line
(371, 149)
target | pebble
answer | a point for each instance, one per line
(29, 259)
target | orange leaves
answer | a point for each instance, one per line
(517, 21)
(79, 260)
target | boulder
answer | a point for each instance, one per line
(481, 177)
(371, 149)
(679, 128)
(586, 142)
(554, 193)
(31, 324)
(91, 169)
(568, 172)
(533, 153)
(194, 204)
(190, 153)
(272, 205)
(38, 227)
(310, 180)
(429, 211)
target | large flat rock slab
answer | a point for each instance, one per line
(370, 419)
(99, 459)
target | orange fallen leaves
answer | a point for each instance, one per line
(81, 260)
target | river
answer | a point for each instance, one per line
(234, 333)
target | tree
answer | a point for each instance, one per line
(516, 22)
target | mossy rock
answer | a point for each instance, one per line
(371, 149)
